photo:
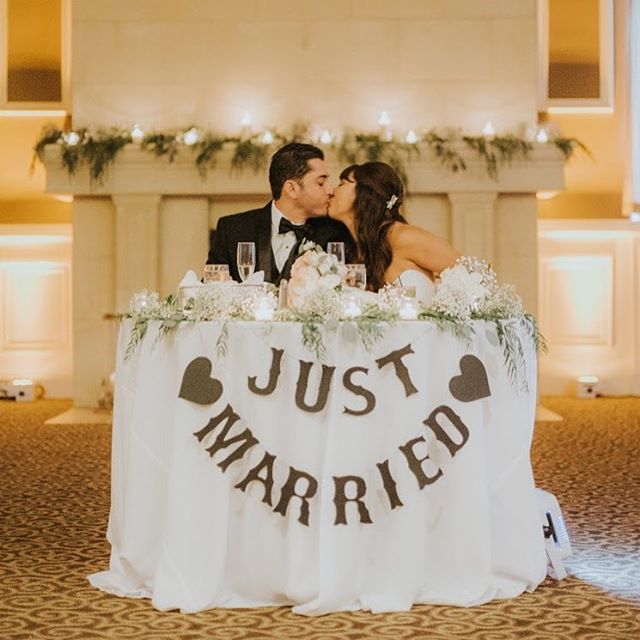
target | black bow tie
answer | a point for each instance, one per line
(301, 230)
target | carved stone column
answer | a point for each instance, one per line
(184, 239)
(516, 246)
(472, 223)
(137, 244)
(93, 296)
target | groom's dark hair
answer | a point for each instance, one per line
(291, 163)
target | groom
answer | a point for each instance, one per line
(301, 193)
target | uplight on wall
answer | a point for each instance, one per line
(18, 389)
(588, 386)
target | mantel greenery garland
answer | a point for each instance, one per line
(98, 150)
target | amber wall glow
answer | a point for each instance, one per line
(34, 51)
(595, 186)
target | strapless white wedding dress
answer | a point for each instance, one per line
(425, 288)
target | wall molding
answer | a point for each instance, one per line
(605, 339)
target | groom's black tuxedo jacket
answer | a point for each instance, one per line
(255, 226)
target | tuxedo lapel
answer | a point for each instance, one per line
(264, 256)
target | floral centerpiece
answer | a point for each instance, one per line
(470, 290)
(316, 281)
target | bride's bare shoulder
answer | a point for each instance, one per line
(421, 247)
(408, 235)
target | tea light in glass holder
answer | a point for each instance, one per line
(408, 308)
(265, 308)
(143, 300)
(588, 386)
(351, 307)
(216, 273)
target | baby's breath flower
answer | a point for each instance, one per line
(470, 289)
(144, 305)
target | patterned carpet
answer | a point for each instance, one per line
(54, 504)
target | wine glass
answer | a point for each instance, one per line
(216, 273)
(246, 259)
(336, 249)
(356, 276)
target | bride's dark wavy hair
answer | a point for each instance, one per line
(376, 184)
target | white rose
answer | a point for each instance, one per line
(325, 264)
(314, 258)
(310, 274)
(331, 281)
(301, 261)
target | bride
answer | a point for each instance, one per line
(367, 202)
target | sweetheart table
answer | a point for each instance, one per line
(248, 471)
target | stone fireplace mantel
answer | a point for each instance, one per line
(149, 221)
(137, 171)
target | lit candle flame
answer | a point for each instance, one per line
(325, 137)
(191, 137)
(137, 134)
(489, 129)
(542, 136)
(384, 120)
(412, 138)
(72, 138)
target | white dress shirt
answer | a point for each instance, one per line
(281, 243)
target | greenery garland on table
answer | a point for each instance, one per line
(502, 310)
(370, 327)
(98, 150)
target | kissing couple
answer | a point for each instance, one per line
(362, 210)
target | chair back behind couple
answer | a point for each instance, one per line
(362, 211)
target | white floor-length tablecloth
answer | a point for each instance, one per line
(185, 536)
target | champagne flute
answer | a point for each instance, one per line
(246, 259)
(356, 276)
(336, 249)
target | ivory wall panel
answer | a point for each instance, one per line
(337, 63)
(516, 34)
(433, 38)
(578, 299)
(441, 8)
(35, 306)
(187, 218)
(590, 304)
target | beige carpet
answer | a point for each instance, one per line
(54, 504)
